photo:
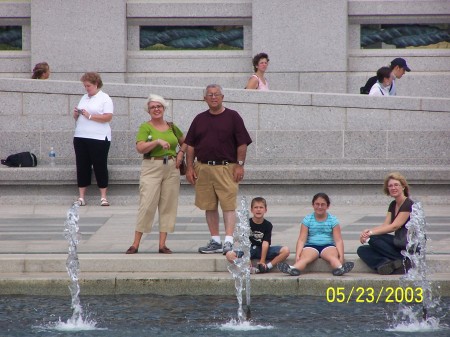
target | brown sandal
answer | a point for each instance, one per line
(165, 250)
(132, 250)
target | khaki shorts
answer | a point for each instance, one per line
(215, 184)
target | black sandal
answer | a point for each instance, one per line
(132, 250)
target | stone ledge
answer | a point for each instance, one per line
(25, 86)
(216, 9)
(255, 174)
(174, 284)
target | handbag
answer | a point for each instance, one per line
(183, 166)
(401, 237)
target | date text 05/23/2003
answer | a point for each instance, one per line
(372, 295)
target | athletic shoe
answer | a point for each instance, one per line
(346, 267)
(287, 269)
(262, 268)
(227, 247)
(404, 269)
(389, 267)
(254, 270)
(212, 247)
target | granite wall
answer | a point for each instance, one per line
(302, 142)
(286, 127)
(314, 45)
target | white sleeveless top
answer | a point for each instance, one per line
(261, 85)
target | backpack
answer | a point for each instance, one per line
(22, 159)
(369, 84)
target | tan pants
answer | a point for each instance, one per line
(159, 187)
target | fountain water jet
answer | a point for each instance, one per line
(72, 235)
(240, 269)
(417, 276)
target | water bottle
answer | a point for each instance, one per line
(52, 156)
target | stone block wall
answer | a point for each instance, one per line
(314, 45)
(302, 142)
(286, 127)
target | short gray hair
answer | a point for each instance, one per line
(156, 98)
(212, 86)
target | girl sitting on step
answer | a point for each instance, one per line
(320, 237)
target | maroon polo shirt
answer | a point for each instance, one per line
(217, 137)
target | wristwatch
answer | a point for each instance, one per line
(240, 162)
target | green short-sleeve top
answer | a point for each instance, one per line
(147, 132)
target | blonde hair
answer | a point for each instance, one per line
(400, 178)
(156, 98)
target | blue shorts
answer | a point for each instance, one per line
(273, 252)
(318, 248)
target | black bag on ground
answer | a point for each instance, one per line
(369, 84)
(22, 159)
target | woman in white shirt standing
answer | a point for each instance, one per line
(92, 137)
(384, 83)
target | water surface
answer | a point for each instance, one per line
(161, 316)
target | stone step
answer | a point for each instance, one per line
(159, 263)
(190, 274)
(217, 283)
(283, 184)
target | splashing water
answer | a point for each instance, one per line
(417, 317)
(234, 325)
(240, 269)
(72, 235)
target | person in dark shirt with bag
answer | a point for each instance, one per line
(383, 252)
(218, 139)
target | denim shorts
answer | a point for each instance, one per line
(318, 248)
(273, 252)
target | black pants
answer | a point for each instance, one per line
(91, 153)
(381, 249)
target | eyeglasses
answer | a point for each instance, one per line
(159, 107)
(394, 185)
(214, 95)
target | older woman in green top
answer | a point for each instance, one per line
(159, 183)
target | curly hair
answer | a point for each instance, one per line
(93, 78)
(257, 58)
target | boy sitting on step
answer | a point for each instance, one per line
(260, 238)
